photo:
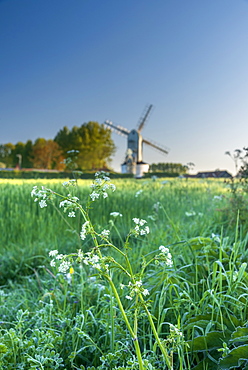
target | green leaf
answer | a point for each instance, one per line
(214, 339)
(234, 357)
(240, 335)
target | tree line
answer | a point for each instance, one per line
(169, 167)
(87, 147)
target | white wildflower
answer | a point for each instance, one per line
(72, 214)
(94, 195)
(64, 266)
(145, 292)
(105, 233)
(59, 256)
(166, 255)
(122, 286)
(104, 194)
(112, 187)
(138, 193)
(80, 254)
(53, 253)
(190, 214)
(84, 230)
(128, 297)
(115, 214)
(52, 263)
(42, 203)
(163, 249)
(151, 217)
(217, 197)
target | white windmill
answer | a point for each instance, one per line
(134, 155)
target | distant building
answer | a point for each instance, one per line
(211, 174)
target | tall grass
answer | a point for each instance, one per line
(50, 320)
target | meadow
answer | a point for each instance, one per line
(150, 276)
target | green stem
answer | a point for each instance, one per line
(132, 332)
(163, 350)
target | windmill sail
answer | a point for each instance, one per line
(134, 156)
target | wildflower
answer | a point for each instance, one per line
(190, 214)
(72, 214)
(80, 254)
(138, 193)
(105, 233)
(52, 263)
(94, 195)
(115, 214)
(59, 256)
(156, 207)
(145, 292)
(42, 203)
(151, 217)
(174, 330)
(84, 230)
(112, 187)
(216, 238)
(138, 230)
(53, 253)
(122, 286)
(145, 231)
(166, 255)
(217, 197)
(128, 297)
(64, 266)
(163, 249)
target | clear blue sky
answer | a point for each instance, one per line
(67, 62)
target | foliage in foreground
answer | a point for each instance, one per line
(56, 320)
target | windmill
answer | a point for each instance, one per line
(134, 155)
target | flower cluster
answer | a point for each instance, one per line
(41, 195)
(100, 186)
(193, 213)
(69, 204)
(115, 214)
(105, 233)
(64, 265)
(140, 227)
(135, 288)
(92, 259)
(138, 193)
(85, 229)
(165, 256)
(66, 184)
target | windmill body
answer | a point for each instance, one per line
(133, 162)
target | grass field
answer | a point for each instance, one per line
(118, 295)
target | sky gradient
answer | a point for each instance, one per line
(67, 62)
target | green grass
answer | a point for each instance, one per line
(48, 322)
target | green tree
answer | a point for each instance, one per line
(168, 167)
(92, 141)
(22, 154)
(6, 154)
